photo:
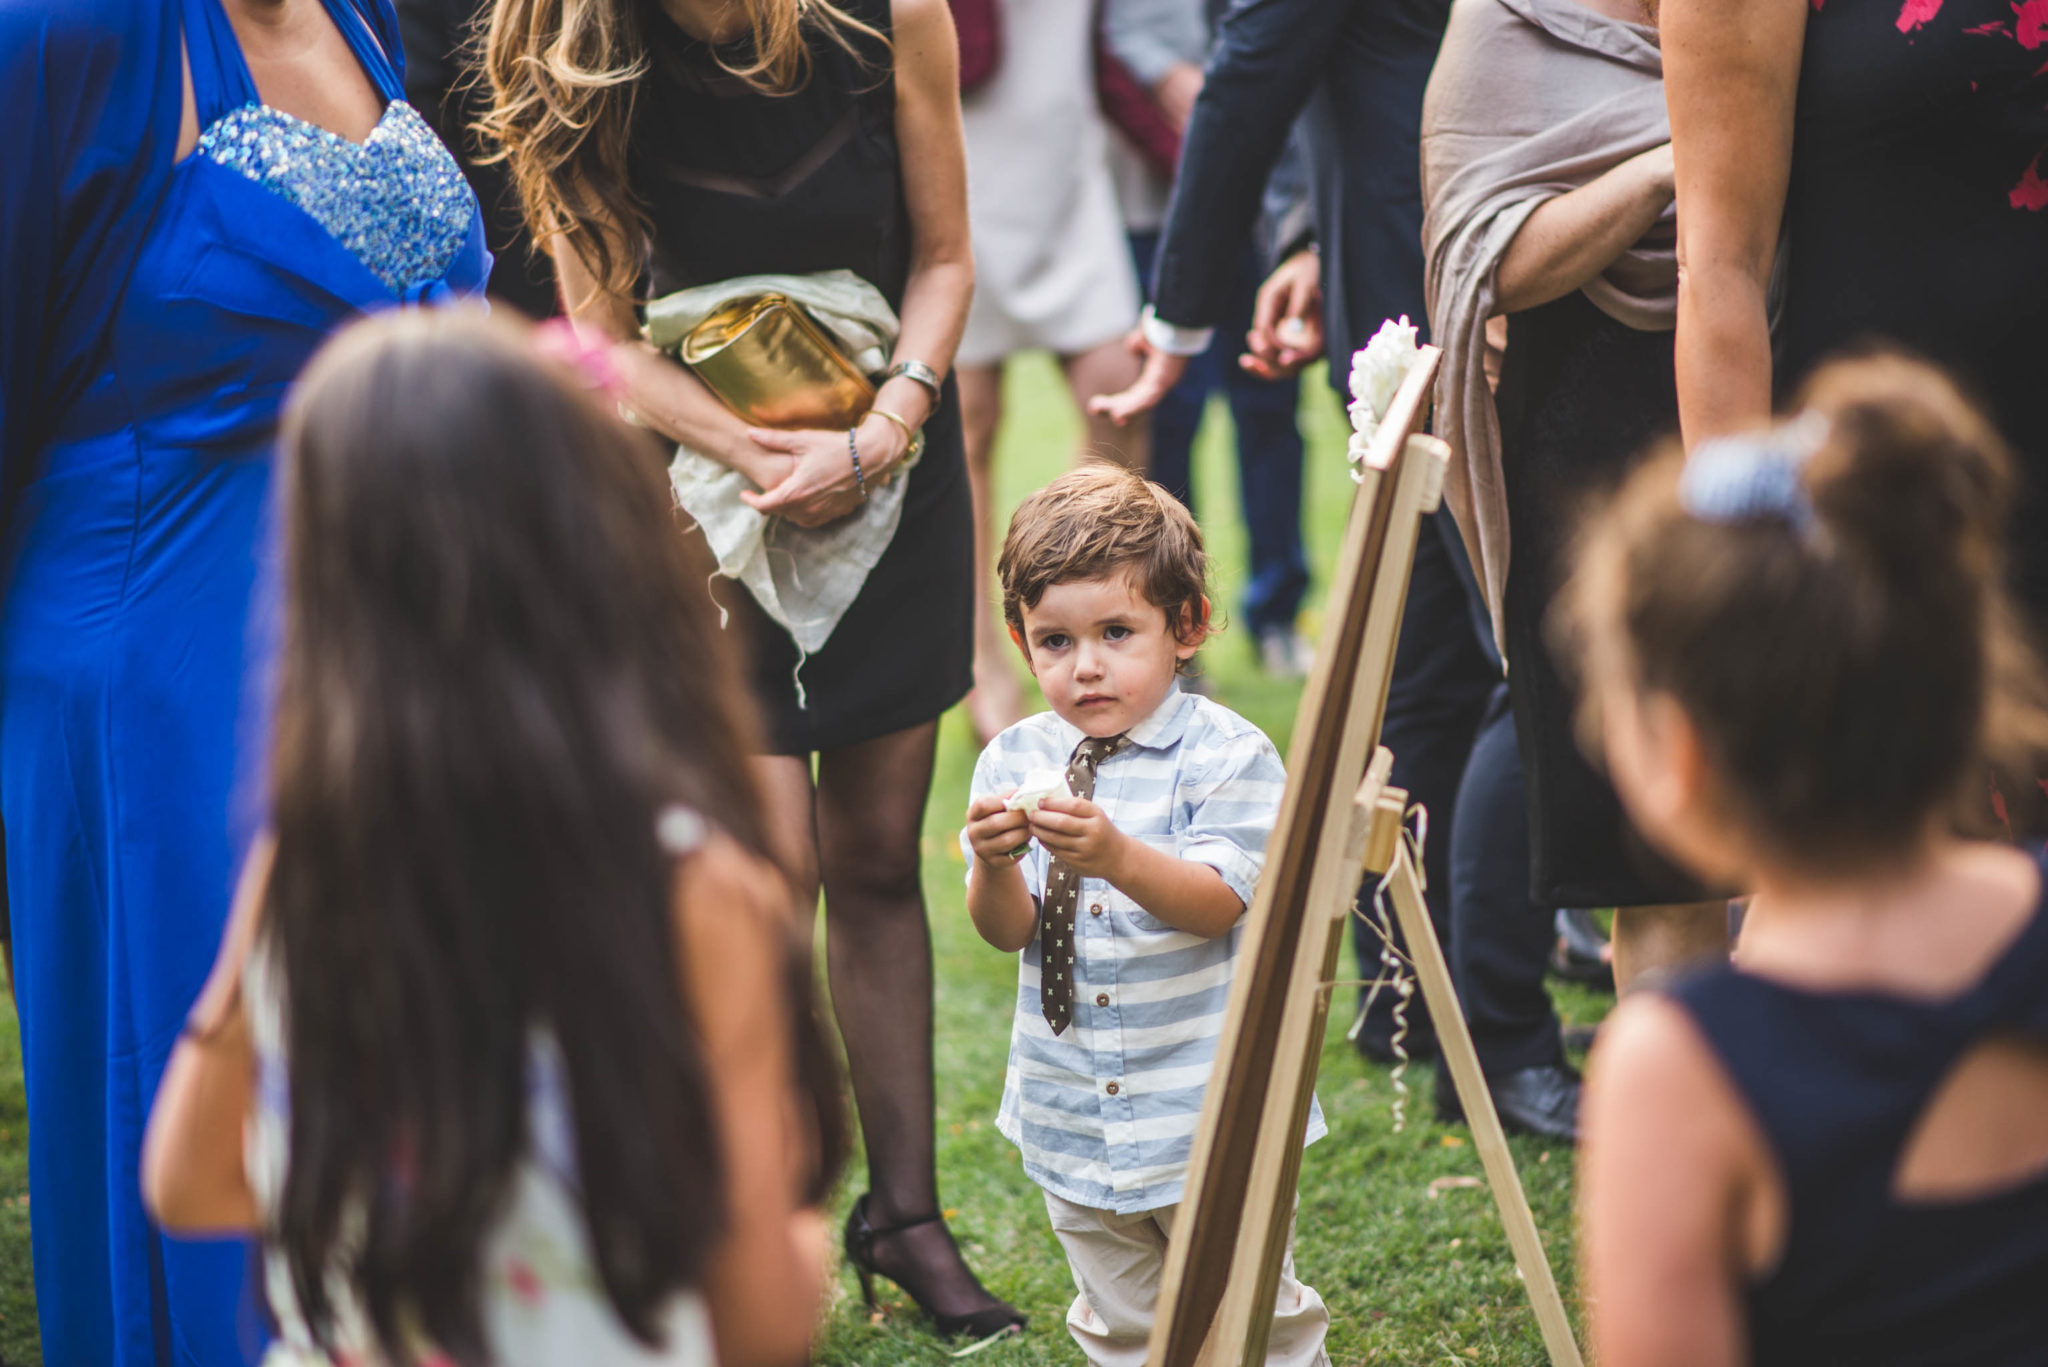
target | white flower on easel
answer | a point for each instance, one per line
(1377, 370)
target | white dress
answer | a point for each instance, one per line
(544, 1302)
(1052, 265)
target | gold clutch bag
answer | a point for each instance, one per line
(771, 363)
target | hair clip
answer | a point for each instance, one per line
(1758, 474)
(558, 340)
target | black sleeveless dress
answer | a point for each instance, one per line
(740, 183)
(1581, 399)
(1917, 213)
(1837, 1082)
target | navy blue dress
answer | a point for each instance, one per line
(1837, 1081)
(155, 314)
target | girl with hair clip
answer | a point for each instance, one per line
(1802, 659)
(508, 1055)
(663, 145)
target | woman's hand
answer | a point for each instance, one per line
(820, 485)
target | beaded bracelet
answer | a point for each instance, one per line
(853, 450)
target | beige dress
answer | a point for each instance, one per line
(1052, 266)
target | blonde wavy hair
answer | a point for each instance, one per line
(561, 77)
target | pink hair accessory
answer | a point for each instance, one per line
(588, 354)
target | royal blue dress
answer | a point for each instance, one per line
(153, 316)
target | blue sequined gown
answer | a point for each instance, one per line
(153, 317)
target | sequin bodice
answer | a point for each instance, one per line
(397, 199)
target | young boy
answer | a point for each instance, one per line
(1115, 841)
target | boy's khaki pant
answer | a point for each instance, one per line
(1116, 1261)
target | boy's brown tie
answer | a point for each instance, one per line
(1063, 896)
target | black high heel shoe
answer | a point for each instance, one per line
(992, 1320)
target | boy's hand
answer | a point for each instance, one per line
(1076, 830)
(996, 834)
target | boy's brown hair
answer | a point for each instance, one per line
(1099, 521)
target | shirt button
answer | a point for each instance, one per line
(1112, 1089)
(1095, 910)
(1102, 999)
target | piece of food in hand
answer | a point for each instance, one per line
(1038, 785)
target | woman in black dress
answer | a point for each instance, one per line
(1547, 187)
(1890, 160)
(659, 144)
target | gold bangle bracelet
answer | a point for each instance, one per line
(909, 434)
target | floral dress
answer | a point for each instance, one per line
(544, 1302)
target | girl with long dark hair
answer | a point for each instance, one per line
(508, 1054)
(664, 145)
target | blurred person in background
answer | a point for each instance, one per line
(658, 147)
(1052, 272)
(1856, 172)
(199, 191)
(1163, 44)
(1357, 69)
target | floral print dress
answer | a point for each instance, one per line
(545, 1303)
(1917, 212)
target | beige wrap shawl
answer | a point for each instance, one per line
(1530, 99)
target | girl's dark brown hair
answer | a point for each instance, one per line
(1851, 679)
(499, 667)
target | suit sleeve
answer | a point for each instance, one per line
(1266, 62)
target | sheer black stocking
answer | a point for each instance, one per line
(858, 834)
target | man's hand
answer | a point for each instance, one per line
(1161, 373)
(1076, 830)
(996, 833)
(1287, 319)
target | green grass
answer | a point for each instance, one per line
(1409, 1278)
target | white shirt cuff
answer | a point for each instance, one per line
(1173, 340)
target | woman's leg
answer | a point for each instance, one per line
(998, 699)
(1652, 942)
(1106, 370)
(871, 801)
(790, 806)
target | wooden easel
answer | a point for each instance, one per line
(1338, 821)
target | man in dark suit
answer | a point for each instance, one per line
(1357, 70)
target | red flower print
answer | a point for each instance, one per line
(2030, 23)
(525, 1283)
(2032, 191)
(1914, 13)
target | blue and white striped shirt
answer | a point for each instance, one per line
(1104, 1114)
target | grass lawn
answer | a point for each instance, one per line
(1410, 1277)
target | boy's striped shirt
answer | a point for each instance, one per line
(1104, 1114)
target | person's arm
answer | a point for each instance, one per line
(659, 392)
(1731, 78)
(765, 1282)
(1569, 240)
(1669, 1169)
(1263, 68)
(193, 1178)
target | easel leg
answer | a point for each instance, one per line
(1455, 1051)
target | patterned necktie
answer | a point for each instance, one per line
(1063, 897)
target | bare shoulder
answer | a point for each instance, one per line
(724, 893)
(1654, 1079)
